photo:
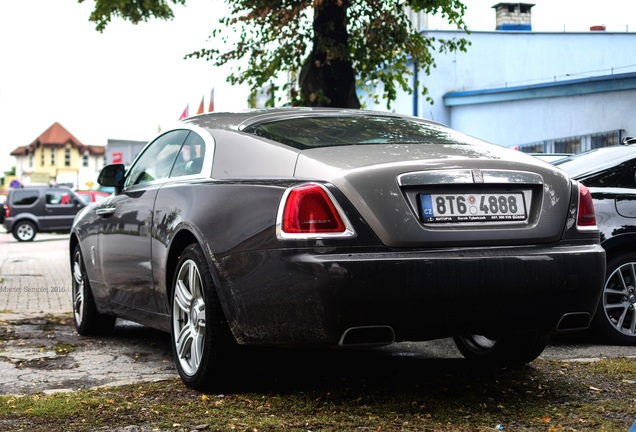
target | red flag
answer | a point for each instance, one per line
(211, 108)
(200, 110)
(184, 114)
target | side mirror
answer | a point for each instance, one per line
(628, 140)
(113, 175)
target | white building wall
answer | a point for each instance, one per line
(88, 175)
(500, 59)
(506, 59)
(525, 121)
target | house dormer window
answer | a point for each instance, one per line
(85, 159)
(52, 157)
(67, 157)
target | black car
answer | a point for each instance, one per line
(337, 228)
(610, 175)
(33, 209)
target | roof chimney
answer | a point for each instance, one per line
(514, 16)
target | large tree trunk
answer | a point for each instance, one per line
(327, 77)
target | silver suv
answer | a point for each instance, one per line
(33, 209)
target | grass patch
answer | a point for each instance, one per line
(422, 396)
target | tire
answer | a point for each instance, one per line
(201, 339)
(615, 319)
(88, 321)
(509, 350)
(24, 231)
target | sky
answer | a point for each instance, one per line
(131, 81)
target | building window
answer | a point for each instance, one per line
(31, 160)
(52, 157)
(568, 145)
(605, 139)
(533, 148)
(41, 157)
(67, 157)
(85, 160)
(575, 144)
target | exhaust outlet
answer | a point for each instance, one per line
(574, 321)
(367, 336)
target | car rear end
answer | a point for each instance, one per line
(388, 241)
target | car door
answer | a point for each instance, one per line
(126, 225)
(60, 208)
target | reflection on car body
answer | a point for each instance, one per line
(335, 228)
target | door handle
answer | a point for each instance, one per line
(107, 211)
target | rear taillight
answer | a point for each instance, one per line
(586, 217)
(310, 211)
(7, 211)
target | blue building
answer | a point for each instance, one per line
(537, 91)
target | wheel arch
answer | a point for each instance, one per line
(619, 244)
(27, 216)
(72, 242)
(182, 239)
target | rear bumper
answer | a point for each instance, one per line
(310, 296)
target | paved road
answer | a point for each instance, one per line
(34, 276)
(40, 354)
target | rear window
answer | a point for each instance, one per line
(315, 132)
(597, 161)
(25, 197)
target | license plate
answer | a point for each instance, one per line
(490, 207)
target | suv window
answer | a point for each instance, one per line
(25, 197)
(58, 197)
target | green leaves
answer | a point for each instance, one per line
(270, 40)
(134, 11)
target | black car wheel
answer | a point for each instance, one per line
(201, 339)
(615, 317)
(24, 231)
(88, 321)
(502, 351)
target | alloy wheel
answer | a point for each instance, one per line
(188, 317)
(25, 232)
(78, 288)
(619, 299)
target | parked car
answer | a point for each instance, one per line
(33, 209)
(2, 210)
(339, 228)
(610, 175)
(88, 197)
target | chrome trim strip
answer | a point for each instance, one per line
(468, 176)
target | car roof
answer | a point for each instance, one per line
(242, 119)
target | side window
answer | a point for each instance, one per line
(190, 158)
(25, 197)
(57, 197)
(157, 159)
